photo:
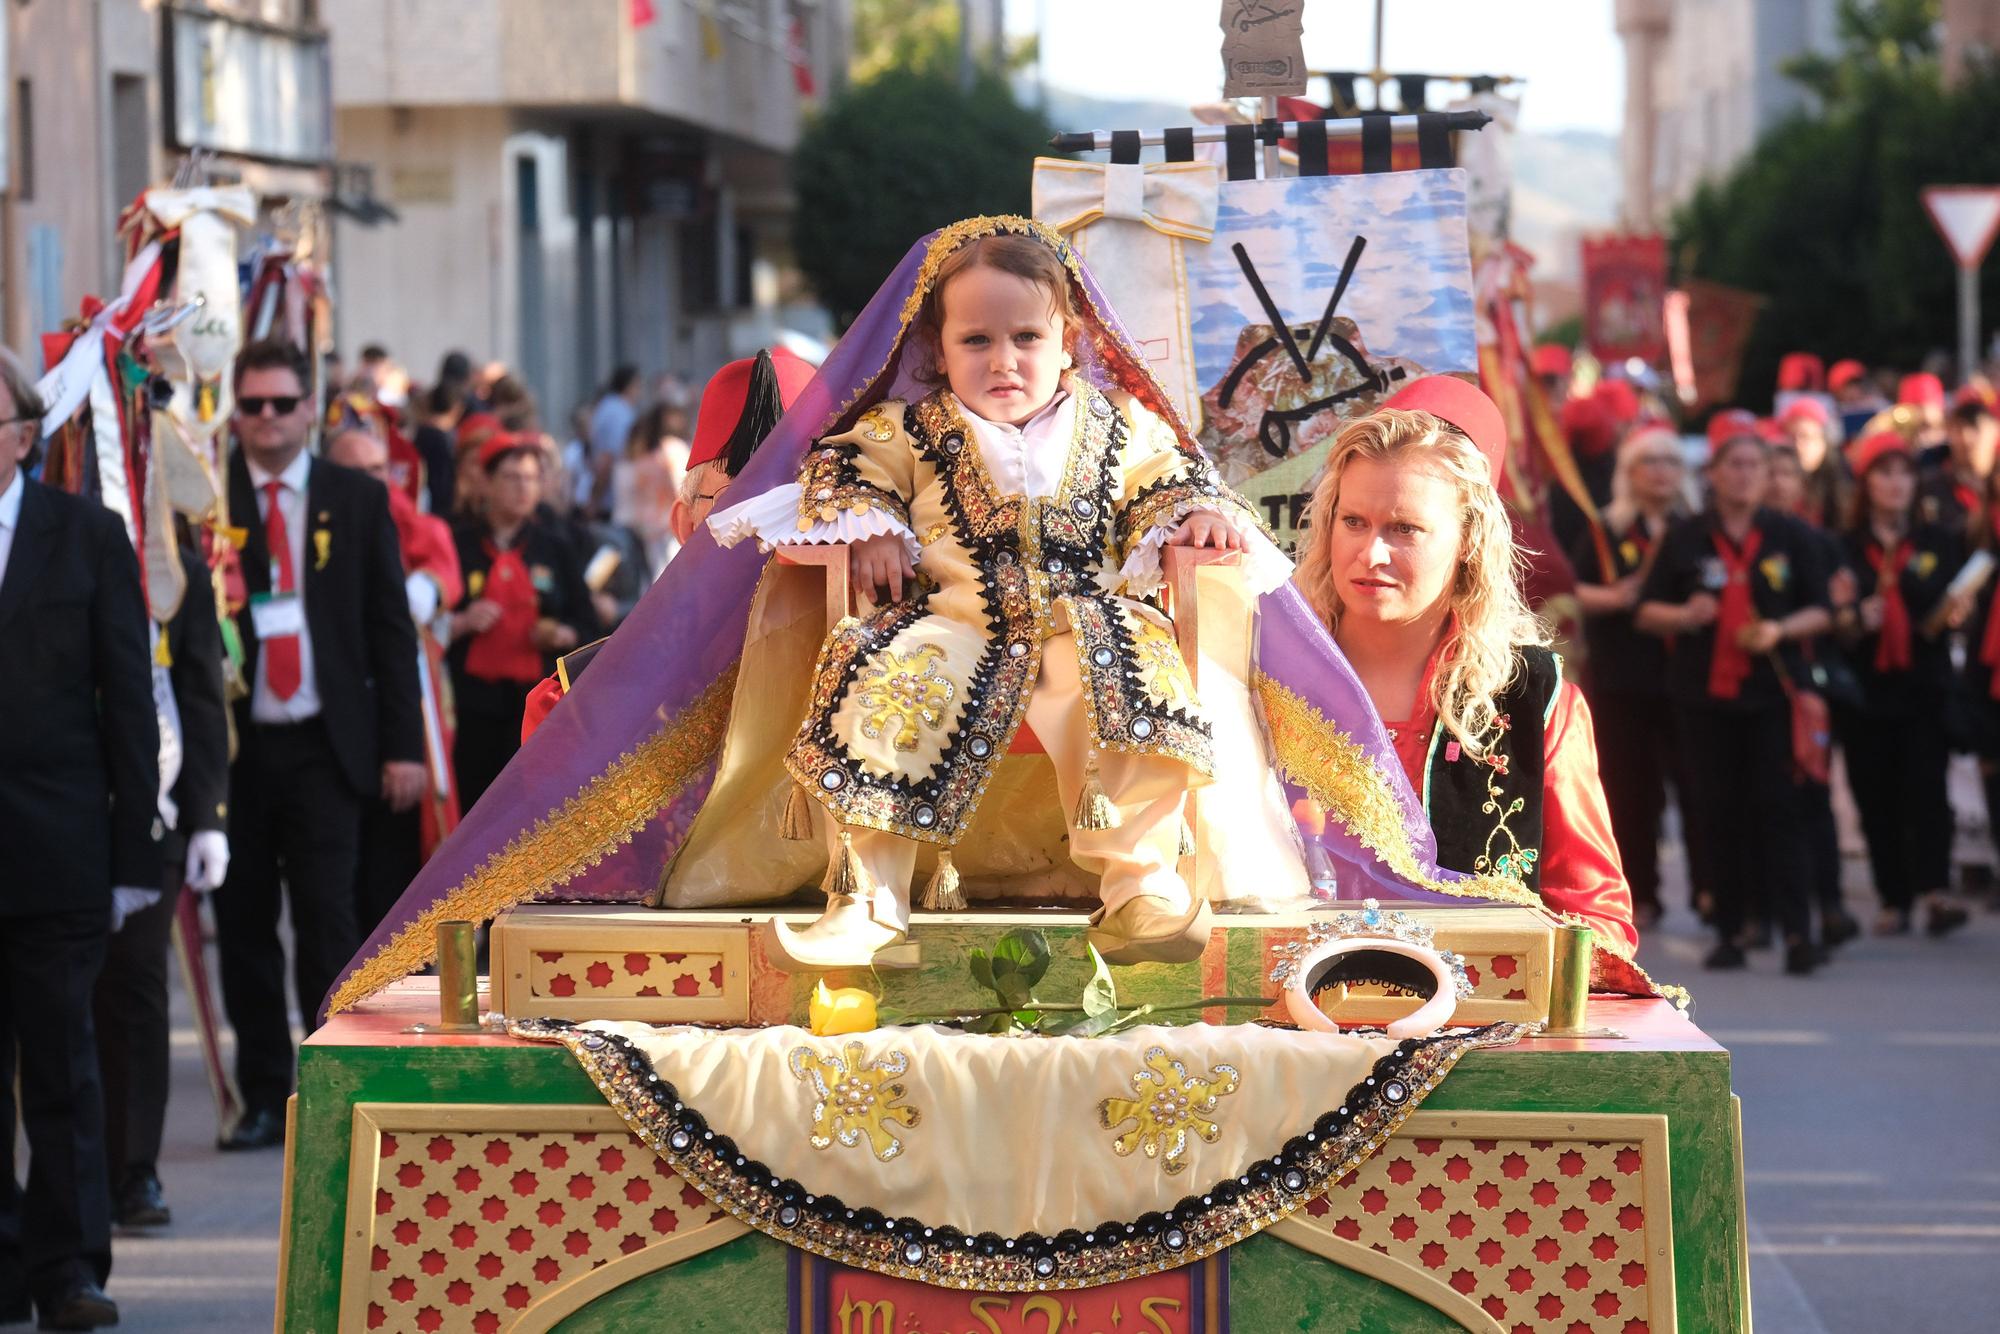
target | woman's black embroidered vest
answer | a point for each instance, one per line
(1487, 814)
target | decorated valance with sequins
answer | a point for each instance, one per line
(1006, 1163)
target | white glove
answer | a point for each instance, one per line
(207, 859)
(422, 592)
(126, 900)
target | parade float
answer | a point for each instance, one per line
(1384, 1097)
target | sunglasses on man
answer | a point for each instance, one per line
(282, 405)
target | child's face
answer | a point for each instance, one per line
(1001, 344)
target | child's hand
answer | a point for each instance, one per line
(1203, 529)
(881, 561)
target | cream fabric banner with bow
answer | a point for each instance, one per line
(1129, 223)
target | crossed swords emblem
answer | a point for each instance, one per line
(1274, 431)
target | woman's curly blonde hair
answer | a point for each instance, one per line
(1491, 622)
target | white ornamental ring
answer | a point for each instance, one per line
(1316, 963)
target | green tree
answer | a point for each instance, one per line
(1825, 215)
(893, 158)
(921, 36)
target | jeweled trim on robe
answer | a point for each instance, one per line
(1343, 1135)
(1039, 563)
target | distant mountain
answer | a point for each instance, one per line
(1079, 111)
(1566, 182)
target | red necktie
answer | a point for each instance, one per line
(1729, 664)
(1892, 648)
(281, 654)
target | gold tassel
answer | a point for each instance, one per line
(942, 894)
(1093, 808)
(1187, 839)
(796, 823)
(845, 875)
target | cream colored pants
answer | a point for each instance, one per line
(1140, 856)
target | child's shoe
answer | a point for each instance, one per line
(846, 935)
(1148, 929)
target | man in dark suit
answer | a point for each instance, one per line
(79, 847)
(131, 998)
(331, 720)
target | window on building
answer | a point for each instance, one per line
(131, 138)
(24, 140)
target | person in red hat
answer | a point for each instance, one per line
(525, 603)
(1924, 393)
(1805, 425)
(1739, 588)
(739, 407)
(395, 843)
(1409, 558)
(1894, 730)
(1789, 494)
(1626, 671)
(1949, 491)
(1855, 397)
(469, 486)
(1591, 426)
(1553, 364)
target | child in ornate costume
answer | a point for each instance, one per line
(1012, 519)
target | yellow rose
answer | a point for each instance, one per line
(841, 1010)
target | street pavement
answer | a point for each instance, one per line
(1869, 1093)
(1871, 1141)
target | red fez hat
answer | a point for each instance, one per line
(1872, 448)
(1804, 409)
(502, 443)
(1588, 425)
(1620, 400)
(1551, 359)
(1844, 373)
(476, 428)
(728, 391)
(1728, 424)
(1979, 392)
(1462, 404)
(1921, 390)
(1800, 371)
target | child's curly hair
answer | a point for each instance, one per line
(1024, 257)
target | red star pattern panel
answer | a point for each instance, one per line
(471, 1227)
(1547, 1236)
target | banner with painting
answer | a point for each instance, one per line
(1285, 308)
(1624, 290)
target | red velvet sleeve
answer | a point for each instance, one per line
(1581, 872)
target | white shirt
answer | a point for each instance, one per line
(266, 707)
(1027, 460)
(10, 519)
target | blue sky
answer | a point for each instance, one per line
(1169, 50)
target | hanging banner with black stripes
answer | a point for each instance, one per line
(1275, 310)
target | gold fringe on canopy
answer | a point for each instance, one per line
(562, 845)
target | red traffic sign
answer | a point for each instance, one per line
(1967, 217)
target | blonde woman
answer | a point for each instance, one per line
(1625, 674)
(1409, 558)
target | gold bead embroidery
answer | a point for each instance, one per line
(855, 1097)
(1163, 673)
(878, 425)
(901, 691)
(1169, 1105)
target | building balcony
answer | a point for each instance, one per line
(726, 66)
